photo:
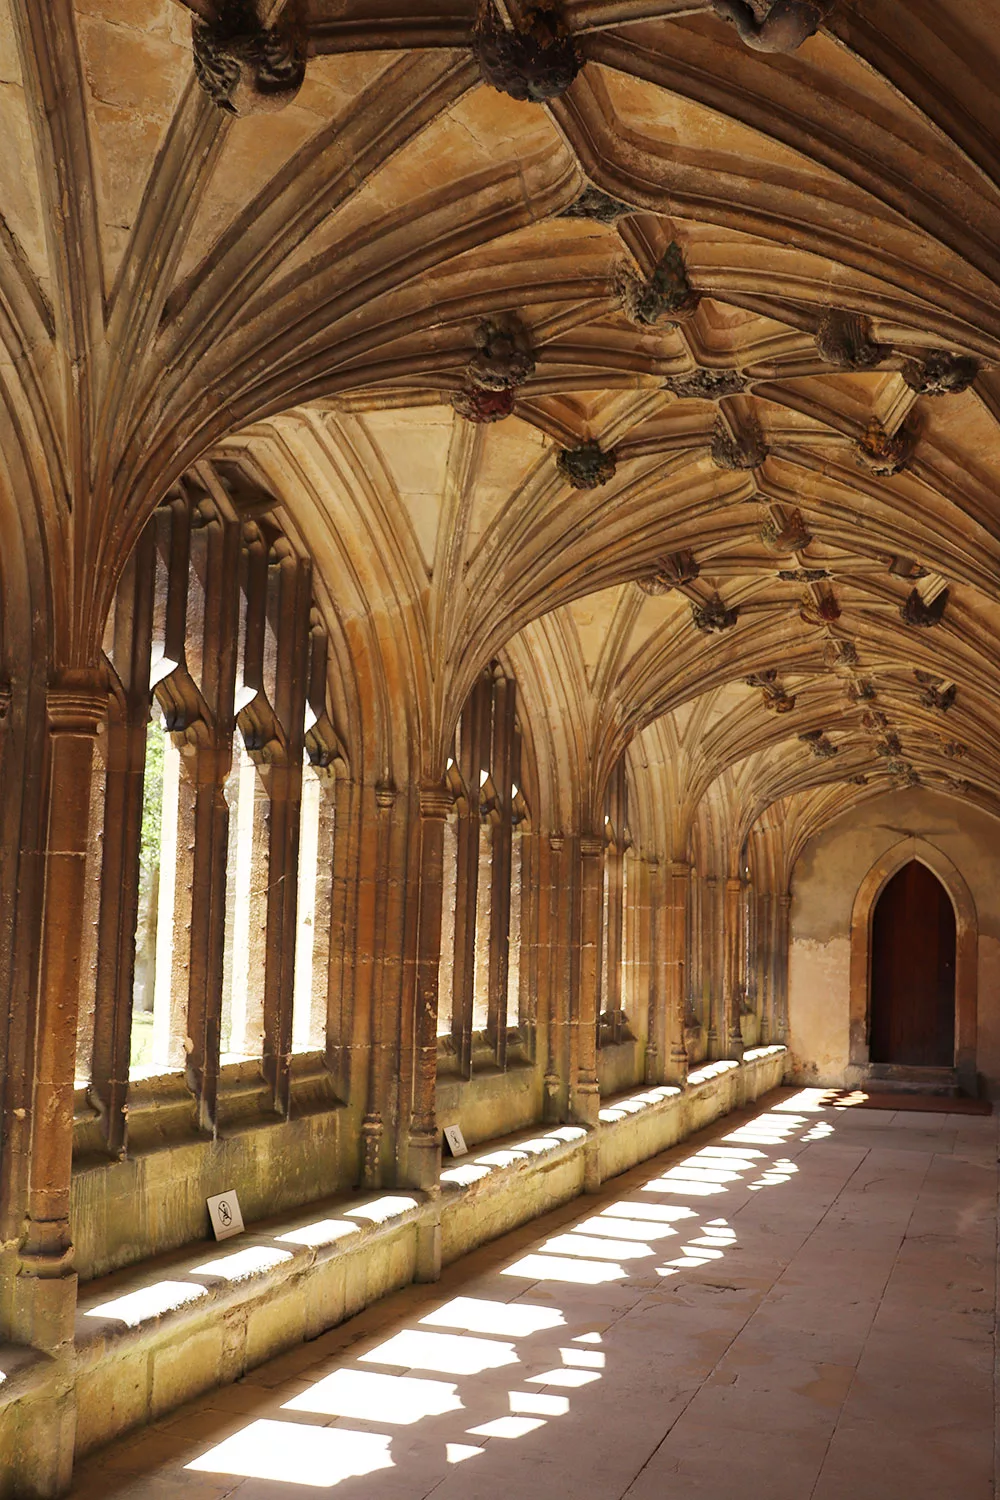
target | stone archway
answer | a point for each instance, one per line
(966, 955)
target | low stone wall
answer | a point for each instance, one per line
(152, 1337)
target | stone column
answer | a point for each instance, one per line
(781, 946)
(763, 958)
(678, 883)
(656, 937)
(710, 963)
(556, 896)
(373, 923)
(423, 1158)
(733, 937)
(586, 1089)
(45, 1290)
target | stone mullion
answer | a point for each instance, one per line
(763, 956)
(213, 761)
(656, 941)
(557, 894)
(119, 882)
(285, 788)
(586, 1090)
(534, 934)
(733, 935)
(23, 740)
(44, 1292)
(678, 891)
(781, 954)
(611, 1002)
(473, 741)
(373, 911)
(344, 937)
(502, 769)
(423, 1153)
(397, 976)
(710, 964)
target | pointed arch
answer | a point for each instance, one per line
(966, 954)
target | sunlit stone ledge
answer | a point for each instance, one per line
(152, 1337)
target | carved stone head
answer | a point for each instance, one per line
(666, 295)
(535, 60)
(587, 465)
(244, 66)
(503, 357)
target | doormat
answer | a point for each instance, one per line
(936, 1104)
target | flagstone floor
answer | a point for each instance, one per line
(798, 1304)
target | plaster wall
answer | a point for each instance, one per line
(824, 885)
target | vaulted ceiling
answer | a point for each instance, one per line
(777, 577)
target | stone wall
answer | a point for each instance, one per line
(825, 884)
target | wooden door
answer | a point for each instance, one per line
(913, 971)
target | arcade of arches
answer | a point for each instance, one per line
(499, 552)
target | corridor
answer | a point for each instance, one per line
(797, 1304)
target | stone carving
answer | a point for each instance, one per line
(915, 612)
(840, 654)
(674, 571)
(480, 406)
(903, 773)
(844, 339)
(535, 59)
(954, 749)
(828, 609)
(775, 697)
(906, 567)
(787, 24)
(875, 720)
(503, 361)
(713, 615)
(597, 206)
(932, 694)
(503, 357)
(791, 535)
(666, 294)
(819, 743)
(587, 465)
(884, 453)
(706, 385)
(803, 575)
(890, 747)
(861, 691)
(940, 374)
(858, 780)
(244, 66)
(747, 450)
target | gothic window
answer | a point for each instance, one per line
(212, 935)
(483, 864)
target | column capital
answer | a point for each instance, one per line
(678, 869)
(785, 901)
(435, 801)
(591, 845)
(77, 704)
(385, 795)
(734, 882)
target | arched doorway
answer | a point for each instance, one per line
(913, 951)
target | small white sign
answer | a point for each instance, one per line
(224, 1212)
(456, 1140)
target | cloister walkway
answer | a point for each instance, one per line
(798, 1304)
